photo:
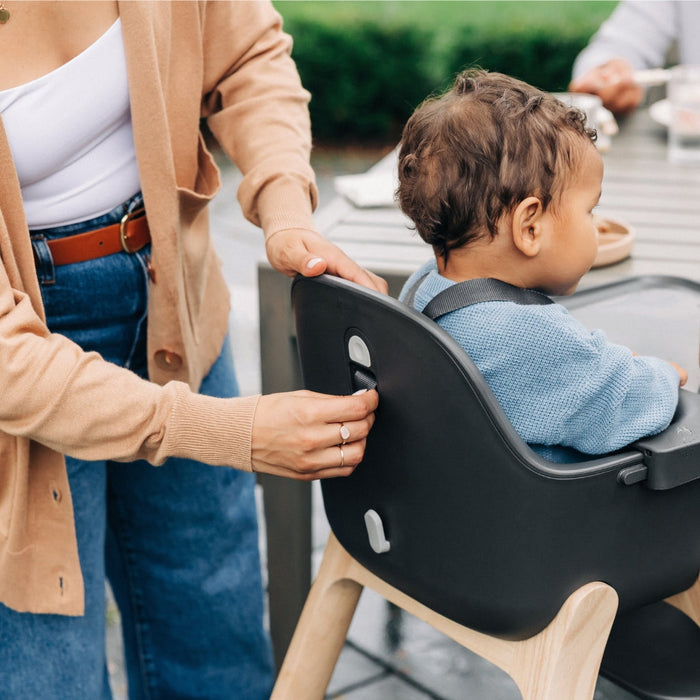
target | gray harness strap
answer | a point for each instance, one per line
(475, 291)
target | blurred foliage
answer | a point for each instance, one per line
(541, 56)
(364, 80)
(368, 64)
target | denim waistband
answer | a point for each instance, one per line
(111, 217)
(42, 255)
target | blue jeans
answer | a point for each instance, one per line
(178, 543)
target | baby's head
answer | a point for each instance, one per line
(469, 157)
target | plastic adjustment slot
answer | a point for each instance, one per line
(363, 380)
(360, 364)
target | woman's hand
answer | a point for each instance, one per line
(614, 83)
(293, 251)
(298, 434)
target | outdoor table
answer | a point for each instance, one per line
(658, 199)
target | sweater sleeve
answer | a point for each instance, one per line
(640, 32)
(560, 384)
(58, 395)
(258, 111)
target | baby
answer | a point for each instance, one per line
(501, 180)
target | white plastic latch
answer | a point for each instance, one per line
(375, 531)
(358, 351)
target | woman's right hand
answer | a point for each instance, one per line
(298, 434)
(614, 83)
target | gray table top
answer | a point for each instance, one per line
(641, 188)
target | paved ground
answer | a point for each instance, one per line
(388, 656)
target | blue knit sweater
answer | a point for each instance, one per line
(559, 383)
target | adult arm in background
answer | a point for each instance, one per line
(258, 111)
(637, 35)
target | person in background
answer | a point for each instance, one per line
(123, 446)
(638, 35)
(501, 180)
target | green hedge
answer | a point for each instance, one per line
(362, 84)
(367, 76)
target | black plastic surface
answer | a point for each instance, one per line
(672, 458)
(482, 530)
(654, 652)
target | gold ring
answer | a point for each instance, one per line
(344, 433)
(342, 457)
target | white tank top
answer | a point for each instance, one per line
(71, 137)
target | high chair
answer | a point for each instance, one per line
(453, 518)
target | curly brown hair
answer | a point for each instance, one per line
(470, 156)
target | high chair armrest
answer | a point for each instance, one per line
(672, 457)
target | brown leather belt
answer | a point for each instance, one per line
(129, 235)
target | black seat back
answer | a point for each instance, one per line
(479, 527)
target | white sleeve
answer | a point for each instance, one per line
(640, 31)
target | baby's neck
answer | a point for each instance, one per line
(484, 260)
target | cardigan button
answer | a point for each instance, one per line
(56, 494)
(167, 360)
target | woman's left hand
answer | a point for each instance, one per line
(293, 251)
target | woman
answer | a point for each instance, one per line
(101, 105)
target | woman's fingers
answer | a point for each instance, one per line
(298, 434)
(339, 432)
(323, 464)
(295, 251)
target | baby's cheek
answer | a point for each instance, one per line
(594, 241)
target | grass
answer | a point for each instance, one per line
(442, 13)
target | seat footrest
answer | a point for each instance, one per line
(654, 652)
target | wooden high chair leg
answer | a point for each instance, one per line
(562, 661)
(321, 630)
(688, 602)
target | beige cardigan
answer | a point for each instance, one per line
(228, 61)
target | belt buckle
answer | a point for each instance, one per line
(122, 229)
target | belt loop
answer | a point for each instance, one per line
(135, 204)
(45, 269)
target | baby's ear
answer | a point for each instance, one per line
(526, 226)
